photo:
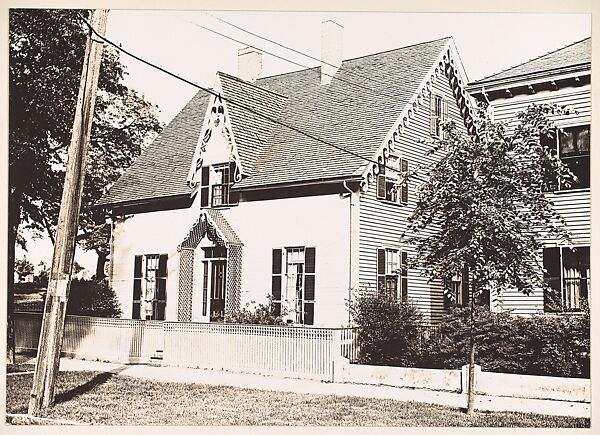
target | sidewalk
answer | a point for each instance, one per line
(302, 386)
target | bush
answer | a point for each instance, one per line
(539, 345)
(93, 298)
(259, 315)
(389, 331)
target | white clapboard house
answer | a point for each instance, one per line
(561, 77)
(282, 186)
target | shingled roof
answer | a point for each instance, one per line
(354, 112)
(573, 57)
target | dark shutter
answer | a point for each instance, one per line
(432, 116)
(309, 260)
(204, 180)
(277, 277)
(309, 313)
(404, 275)
(447, 290)
(381, 270)
(404, 189)
(444, 110)
(137, 286)
(552, 294)
(309, 287)
(161, 288)
(381, 187)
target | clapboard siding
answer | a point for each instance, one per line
(573, 206)
(382, 223)
(575, 99)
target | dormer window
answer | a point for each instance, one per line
(216, 186)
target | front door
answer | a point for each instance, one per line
(217, 289)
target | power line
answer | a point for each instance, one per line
(295, 50)
(216, 94)
(333, 76)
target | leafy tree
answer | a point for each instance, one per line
(23, 267)
(46, 56)
(487, 198)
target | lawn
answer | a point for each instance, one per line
(103, 398)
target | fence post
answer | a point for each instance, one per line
(464, 378)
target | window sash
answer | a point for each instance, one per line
(568, 277)
(572, 145)
(150, 287)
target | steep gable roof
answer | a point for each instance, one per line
(575, 56)
(355, 112)
(161, 170)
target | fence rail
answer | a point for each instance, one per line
(302, 352)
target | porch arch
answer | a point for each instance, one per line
(211, 224)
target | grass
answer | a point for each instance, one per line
(104, 398)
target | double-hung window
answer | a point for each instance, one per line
(392, 272)
(572, 145)
(567, 274)
(216, 185)
(293, 283)
(438, 114)
(456, 290)
(388, 187)
(149, 287)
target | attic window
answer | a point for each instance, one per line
(388, 187)
(438, 114)
(216, 186)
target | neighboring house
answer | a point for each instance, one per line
(561, 77)
(229, 205)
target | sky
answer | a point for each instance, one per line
(487, 43)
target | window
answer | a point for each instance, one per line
(388, 187)
(392, 271)
(216, 183)
(438, 114)
(298, 292)
(456, 290)
(572, 145)
(149, 287)
(568, 278)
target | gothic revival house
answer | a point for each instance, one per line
(561, 77)
(284, 186)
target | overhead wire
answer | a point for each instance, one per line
(229, 100)
(333, 76)
(341, 68)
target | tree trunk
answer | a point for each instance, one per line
(14, 215)
(100, 275)
(471, 383)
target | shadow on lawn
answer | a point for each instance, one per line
(96, 381)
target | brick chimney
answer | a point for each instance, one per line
(249, 63)
(331, 50)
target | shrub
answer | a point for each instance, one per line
(260, 314)
(539, 345)
(93, 298)
(389, 331)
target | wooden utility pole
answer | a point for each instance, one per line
(49, 348)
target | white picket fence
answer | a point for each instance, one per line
(299, 352)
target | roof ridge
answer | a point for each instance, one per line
(532, 59)
(250, 83)
(357, 57)
(398, 48)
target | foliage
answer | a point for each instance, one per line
(260, 314)
(486, 196)
(23, 267)
(539, 345)
(43, 275)
(46, 55)
(93, 298)
(389, 330)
